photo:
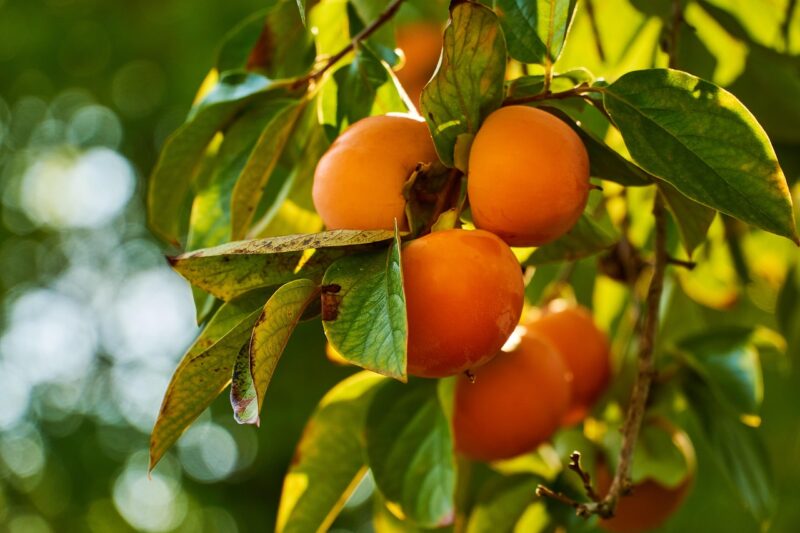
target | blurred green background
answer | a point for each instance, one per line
(92, 320)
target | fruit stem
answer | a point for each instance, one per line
(382, 19)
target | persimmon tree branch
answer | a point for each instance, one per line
(621, 483)
(368, 30)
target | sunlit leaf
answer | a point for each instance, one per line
(532, 85)
(204, 371)
(535, 30)
(328, 462)
(269, 336)
(364, 311)
(468, 84)
(410, 451)
(229, 270)
(249, 188)
(584, 239)
(703, 141)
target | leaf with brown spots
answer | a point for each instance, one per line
(256, 363)
(204, 371)
(232, 269)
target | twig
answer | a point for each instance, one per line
(384, 17)
(641, 388)
(571, 93)
(595, 30)
(675, 28)
(543, 491)
(586, 479)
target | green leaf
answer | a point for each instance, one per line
(204, 371)
(301, 6)
(692, 219)
(738, 449)
(229, 270)
(274, 41)
(170, 186)
(329, 461)
(729, 364)
(468, 85)
(535, 29)
(249, 188)
(410, 451)
(605, 162)
(209, 224)
(270, 334)
(501, 503)
(704, 142)
(357, 84)
(787, 310)
(584, 239)
(364, 311)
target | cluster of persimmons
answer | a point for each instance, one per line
(519, 380)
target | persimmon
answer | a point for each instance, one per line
(583, 346)
(421, 43)
(358, 182)
(516, 402)
(649, 503)
(464, 294)
(528, 176)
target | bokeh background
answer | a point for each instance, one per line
(92, 321)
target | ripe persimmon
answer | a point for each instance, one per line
(421, 43)
(528, 176)
(358, 183)
(649, 503)
(583, 346)
(516, 402)
(464, 294)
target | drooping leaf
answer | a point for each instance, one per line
(410, 451)
(292, 206)
(209, 224)
(584, 239)
(704, 142)
(270, 334)
(501, 503)
(329, 461)
(229, 270)
(364, 311)
(249, 188)
(738, 449)
(468, 84)
(204, 371)
(535, 29)
(692, 219)
(729, 364)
